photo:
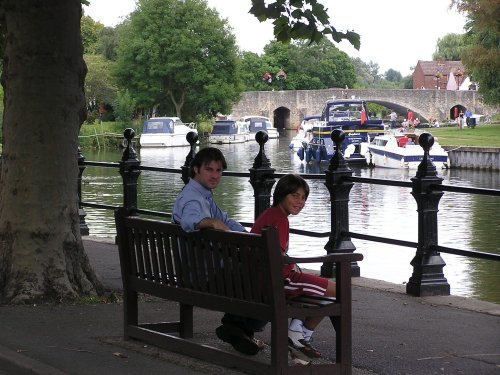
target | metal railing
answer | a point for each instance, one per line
(426, 187)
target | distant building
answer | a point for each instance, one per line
(434, 74)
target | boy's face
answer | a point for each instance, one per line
(209, 174)
(294, 202)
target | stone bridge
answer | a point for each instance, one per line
(288, 108)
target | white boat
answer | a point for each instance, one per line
(257, 123)
(401, 150)
(229, 131)
(165, 132)
(304, 132)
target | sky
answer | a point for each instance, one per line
(395, 34)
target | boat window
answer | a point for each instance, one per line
(255, 126)
(344, 112)
(224, 127)
(158, 126)
(380, 142)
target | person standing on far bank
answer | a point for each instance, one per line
(409, 117)
(393, 116)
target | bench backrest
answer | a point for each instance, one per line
(226, 271)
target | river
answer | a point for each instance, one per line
(465, 222)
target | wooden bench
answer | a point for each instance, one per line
(233, 272)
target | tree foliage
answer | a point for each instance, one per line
(393, 76)
(91, 32)
(108, 42)
(307, 67)
(100, 86)
(451, 47)
(482, 57)
(124, 106)
(300, 19)
(178, 57)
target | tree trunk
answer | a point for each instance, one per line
(41, 250)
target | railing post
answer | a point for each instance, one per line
(84, 228)
(260, 176)
(130, 173)
(339, 196)
(192, 138)
(427, 278)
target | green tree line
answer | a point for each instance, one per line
(181, 58)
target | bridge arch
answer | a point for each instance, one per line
(288, 108)
(281, 118)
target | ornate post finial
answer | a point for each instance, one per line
(337, 161)
(192, 139)
(129, 152)
(261, 176)
(426, 168)
(261, 160)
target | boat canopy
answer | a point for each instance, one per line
(160, 125)
(256, 124)
(225, 127)
(344, 111)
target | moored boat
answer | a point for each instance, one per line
(257, 123)
(165, 132)
(350, 116)
(229, 131)
(402, 150)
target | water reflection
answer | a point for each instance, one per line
(467, 222)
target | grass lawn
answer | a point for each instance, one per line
(480, 136)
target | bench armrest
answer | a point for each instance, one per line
(337, 257)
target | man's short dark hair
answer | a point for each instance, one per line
(206, 156)
(288, 184)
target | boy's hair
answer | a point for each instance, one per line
(288, 184)
(206, 156)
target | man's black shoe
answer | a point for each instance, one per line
(238, 339)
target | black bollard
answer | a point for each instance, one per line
(427, 278)
(129, 173)
(84, 228)
(261, 176)
(339, 196)
(192, 138)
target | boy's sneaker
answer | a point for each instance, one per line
(238, 339)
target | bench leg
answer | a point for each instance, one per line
(279, 345)
(130, 311)
(186, 321)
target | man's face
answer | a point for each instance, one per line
(209, 174)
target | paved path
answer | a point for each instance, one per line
(393, 333)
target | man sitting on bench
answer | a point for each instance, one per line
(195, 209)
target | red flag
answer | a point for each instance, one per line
(363, 116)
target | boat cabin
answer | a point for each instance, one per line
(225, 127)
(256, 124)
(156, 125)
